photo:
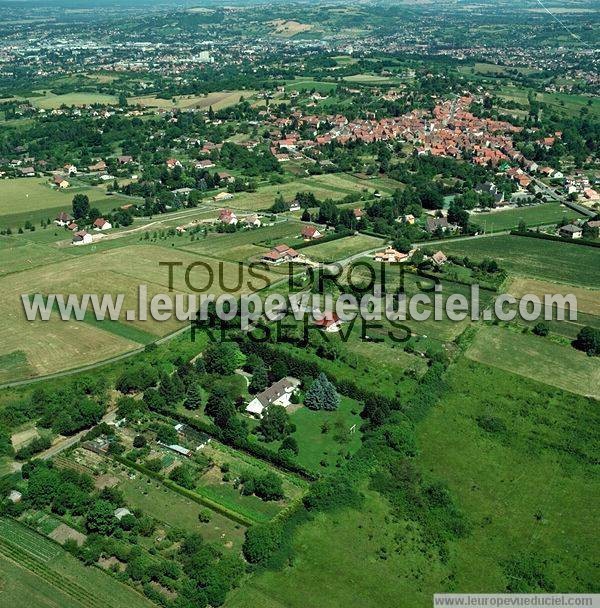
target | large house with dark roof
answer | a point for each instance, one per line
(279, 393)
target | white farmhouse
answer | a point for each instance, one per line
(279, 393)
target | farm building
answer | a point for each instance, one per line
(570, 232)
(60, 182)
(63, 219)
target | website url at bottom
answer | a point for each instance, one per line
(591, 600)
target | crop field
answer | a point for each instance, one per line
(345, 247)
(542, 434)
(56, 345)
(289, 28)
(50, 101)
(545, 260)
(26, 589)
(217, 100)
(588, 300)
(538, 215)
(535, 357)
(32, 543)
(42, 558)
(367, 79)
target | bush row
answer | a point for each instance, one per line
(550, 237)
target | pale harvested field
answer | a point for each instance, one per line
(588, 300)
(537, 358)
(323, 187)
(56, 345)
(288, 29)
(218, 100)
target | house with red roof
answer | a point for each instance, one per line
(227, 216)
(102, 224)
(279, 254)
(329, 322)
(309, 233)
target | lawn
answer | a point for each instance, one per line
(546, 260)
(537, 358)
(340, 249)
(315, 445)
(538, 215)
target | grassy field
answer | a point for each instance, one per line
(32, 198)
(303, 84)
(338, 563)
(368, 558)
(546, 213)
(537, 358)
(563, 103)
(322, 187)
(50, 101)
(545, 260)
(549, 438)
(342, 248)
